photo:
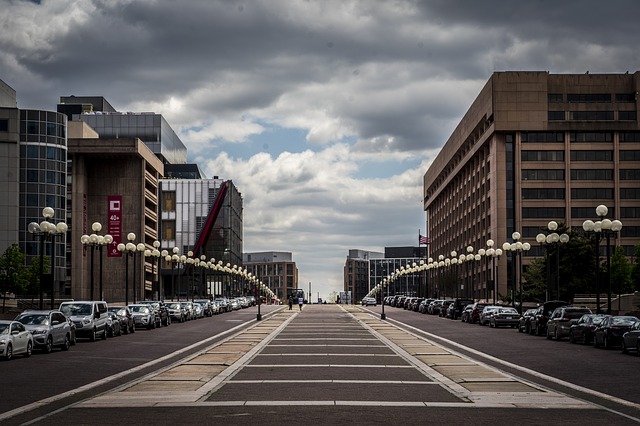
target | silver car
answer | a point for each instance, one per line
(14, 339)
(50, 328)
(143, 316)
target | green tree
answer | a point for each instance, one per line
(635, 270)
(620, 272)
(14, 276)
(534, 288)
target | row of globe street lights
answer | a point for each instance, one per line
(47, 231)
(603, 227)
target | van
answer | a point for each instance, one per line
(89, 317)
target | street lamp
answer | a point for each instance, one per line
(553, 239)
(127, 249)
(44, 231)
(493, 254)
(517, 248)
(95, 241)
(608, 228)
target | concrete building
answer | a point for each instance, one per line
(534, 147)
(276, 270)
(363, 270)
(33, 160)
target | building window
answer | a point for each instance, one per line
(543, 193)
(555, 98)
(630, 155)
(33, 128)
(542, 155)
(547, 174)
(591, 193)
(626, 115)
(630, 137)
(630, 193)
(591, 174)
(555, 115)
(591, 155)
(625, 97)
(168, 229)
(169, 202)
(591, 115)
(542, 212)
(629, 174)
(591, 137)
(630, 212)
(588, 97)
(587, 212)
(4, 125)
(630, 231)
(542, 137)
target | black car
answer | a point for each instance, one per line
(454, 311)
(125, 318)
(610, 331)
(582, 331)
(524, 324)
(538, 323)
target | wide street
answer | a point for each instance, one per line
(327, 364)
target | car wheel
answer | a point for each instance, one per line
(92, 337)
(571, 338)
(48, 346)
(104, 334)
(638, 348)
(624, 347)
(29, 351)
(67, 343)
(548, 335)
(9, 353)
(558, 337)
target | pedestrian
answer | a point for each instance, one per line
(300, 302)
(290, 302)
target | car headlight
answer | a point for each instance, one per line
(86, 321)
(3, 342)
(39, 331)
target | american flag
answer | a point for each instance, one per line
(424, 241)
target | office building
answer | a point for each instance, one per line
(275, 269)
(534, 147)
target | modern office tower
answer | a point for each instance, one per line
(33, 159)
(356, 273)
(276, 270)
(534, 147)
(204, 217)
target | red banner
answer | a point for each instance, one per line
(114, 224)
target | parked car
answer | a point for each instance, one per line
(176, 311)
(444, 308)
(524, 323)
(454, 311)
(630, 340)
(486, 314)
(189, 311)
(424, 305)
(538, 322)
(367, 301)
(504, 316)
(113, 324)
(160, 310)
(89, 317)
(143, 316)
(466, 312)
(15, 339)
(50, 328)
(125, 317)
(610, 331)
(561, 320)
(474, 315)
(207, 306)
(434, 307)
(198, 312)
(583, 329)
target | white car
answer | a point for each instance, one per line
(366, 301)
(15, 339)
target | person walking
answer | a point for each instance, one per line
(300, 302)
(290, 302)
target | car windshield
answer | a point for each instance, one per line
(73, 309)
(34, 319)
(139, 309)
(507, 311)
(173, 305)
(4, 328)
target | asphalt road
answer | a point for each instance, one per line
(607, 379)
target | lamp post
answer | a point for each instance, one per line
(494, 253)
(552, 239)
(608, 228)
(517, 248)
(127, 249)
(94, 242)
(43, 231)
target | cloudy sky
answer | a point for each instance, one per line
(326, 114)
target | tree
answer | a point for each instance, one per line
(534, 289)
(635, 270)
(620, 272)
(14, 276)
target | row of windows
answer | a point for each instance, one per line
(591, 115)
(590, 97)
(578, 194)
(579, 155)
(543, 193)
(537, 137)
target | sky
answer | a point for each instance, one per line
(325, 114)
